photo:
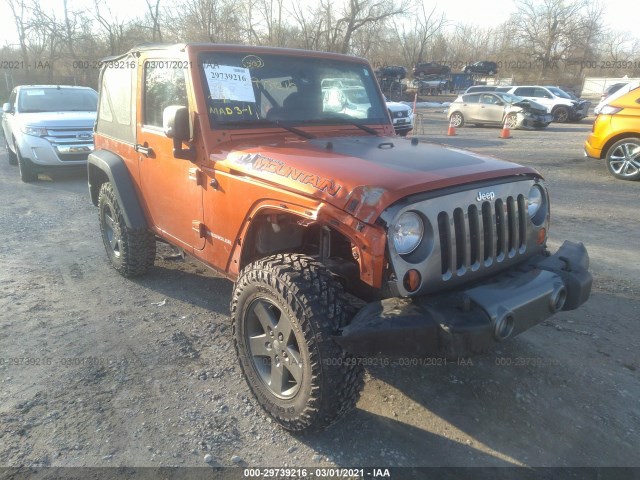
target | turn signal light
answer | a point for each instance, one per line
(542, 236)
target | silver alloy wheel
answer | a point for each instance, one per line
(624, 158)
(561, 115)
(457, 120)
(511, 120)
(274, 348)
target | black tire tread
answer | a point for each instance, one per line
(13, 159)
(139, 245)
(315, 297)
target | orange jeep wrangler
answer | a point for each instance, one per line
(346, 243)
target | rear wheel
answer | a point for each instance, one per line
(623, 159)
(131, 251)
(456, 119)
(285, 309)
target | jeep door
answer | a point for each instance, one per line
(170, 186)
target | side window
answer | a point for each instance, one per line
(117, 110)
(524, 92)
(541, 93)
(474, 98)
(163, 86)
(488, 99)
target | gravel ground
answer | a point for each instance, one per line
(98, 370)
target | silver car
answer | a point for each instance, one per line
(497, 108)
(48, 127)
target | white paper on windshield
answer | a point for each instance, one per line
(229, 83)
(34, 92)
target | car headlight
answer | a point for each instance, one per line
(609, 110)
(407, 232)
(35, 131)
(536, 204)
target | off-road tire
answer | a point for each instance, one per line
(27, 175)
(13, 159)
(131, 251)
(303, 292)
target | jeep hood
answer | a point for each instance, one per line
(57, 119)
(364, 174)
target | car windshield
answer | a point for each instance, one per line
(508, 98)
(52, 99)
(246, 90)
(559, 93)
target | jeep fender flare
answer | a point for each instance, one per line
(104, 166)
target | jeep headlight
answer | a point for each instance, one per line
(407, 232)
(536, 204)
(35, 131)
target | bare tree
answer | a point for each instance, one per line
(414, 37)
(548, 28)
(154, 13)
(19, 13)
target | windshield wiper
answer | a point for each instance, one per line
(370, 130)
(277, 123)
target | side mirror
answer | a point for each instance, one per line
(175, 123)
(6, 108)
(500, 103)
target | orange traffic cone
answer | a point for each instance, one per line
(452, 130)
(505, 133)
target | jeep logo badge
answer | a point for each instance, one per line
(485, 196)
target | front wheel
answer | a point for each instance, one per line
(27, 175)
(13, 159)
(623, 159)
(131, 251)
(561, 115)
(285, 309)
(511, 121)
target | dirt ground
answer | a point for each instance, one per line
(98, 370)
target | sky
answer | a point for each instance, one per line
(475, 12)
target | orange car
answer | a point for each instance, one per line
(616, 135)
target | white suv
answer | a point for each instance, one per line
(557, 102)
(49, 127)
(402, 117)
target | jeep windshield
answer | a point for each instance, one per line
(53, 99)
(249, 91)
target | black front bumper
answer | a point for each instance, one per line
(472, 320)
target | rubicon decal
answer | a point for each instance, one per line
(266, 164)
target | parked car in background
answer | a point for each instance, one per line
(615, 136)
(49, 127)
(557, 102)
(481, 88)
(609, 91)
(483, 67)
(392, 71)
(495, 108)
(402, 117)
(430, 68)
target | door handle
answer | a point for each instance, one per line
(144, 149)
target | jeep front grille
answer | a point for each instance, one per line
(475, 237)
(467, 237)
